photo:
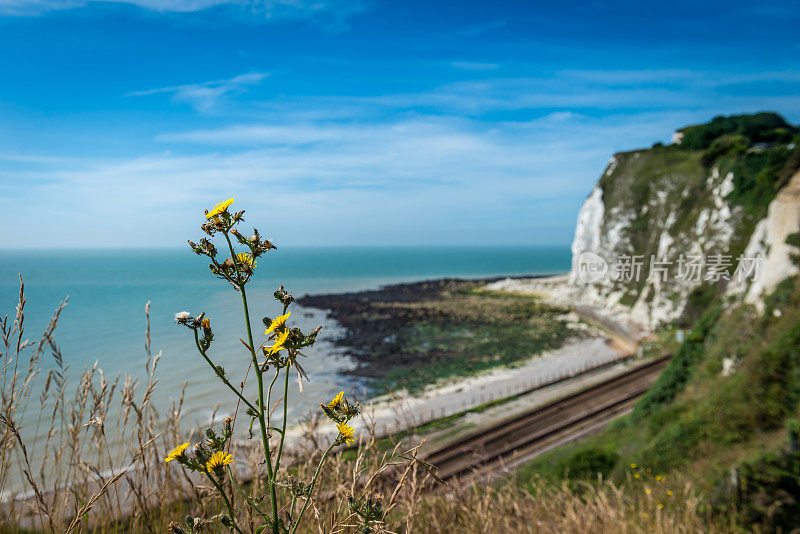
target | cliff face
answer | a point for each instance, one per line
(771, 240)
(673, 222)
(724, 190)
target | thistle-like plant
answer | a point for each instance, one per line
(271, 361)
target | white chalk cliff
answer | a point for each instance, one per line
(607, 231)
(668, 229)
(769, 241)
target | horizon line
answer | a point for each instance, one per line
(176, 248)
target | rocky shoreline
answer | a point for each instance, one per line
(408, 335)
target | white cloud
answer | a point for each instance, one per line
(665, 89)
(574, 90)
(37, 7)
(473, 65)
(482, 28)
(317, 183)
(176, 5)
(404, 168)
(336, 11)
(206, 95)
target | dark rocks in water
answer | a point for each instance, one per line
(382, 326)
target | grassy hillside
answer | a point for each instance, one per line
(701, 421)
(673, 189)
(725, 413)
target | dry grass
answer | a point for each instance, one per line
(90, 449)
(90, 456)
(598, 508)
(420, 506)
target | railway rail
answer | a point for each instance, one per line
(522, 437)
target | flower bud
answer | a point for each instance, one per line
(175, 527)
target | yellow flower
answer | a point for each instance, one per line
(279, 341)
(337, 400)
(633, 466)
(277, 323)
(206, 323)
(636, 475)
(218, 459)
(347, 433)
(660, 506)
(246, 259)
(177, 452)
(669, 492)
(659, 478)
(219, 208)
(647, 491)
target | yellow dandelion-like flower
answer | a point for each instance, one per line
(660, 506)
(636, 475)
(219, 208)
(279, 341)
(669, 492)
(633, 466)
(206, 323)
(246, 259)
(219, 459)
(277, 323)
(659, 478)
(177, 452)
(647, 491)
(337, 400)
(347, 433)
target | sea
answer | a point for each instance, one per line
(104, 321)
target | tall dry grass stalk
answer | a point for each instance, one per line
(414, 503)
(90, 456)
(71, 452)
(97, 455)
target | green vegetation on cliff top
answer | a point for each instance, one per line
(652, 186)
(725, 411)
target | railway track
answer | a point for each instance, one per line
(521, 437)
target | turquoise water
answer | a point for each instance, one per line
(105, 322)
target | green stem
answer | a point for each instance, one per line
(245, 495)
(224, 380)
(227, 502)
(291, 507)
(269, 396)
(311, 488)
(260, 379)
(283, 425)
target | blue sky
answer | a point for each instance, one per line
(357, 122)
